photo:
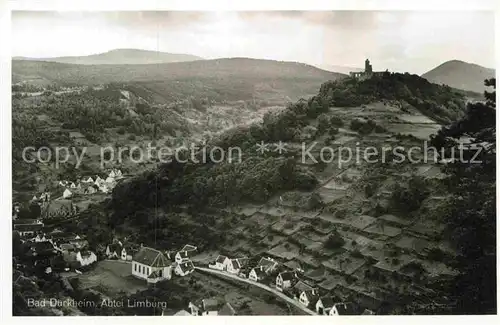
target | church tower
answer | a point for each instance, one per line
(368, 67)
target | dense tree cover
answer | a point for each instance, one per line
(334, 241)
(471, 215)
(439, 102)
(366, 126)
(33, 88)
(258, 177)
(255, 179)
(408, 198)
(28, 131)
(26, 87)
(93, 111)
(222, 79)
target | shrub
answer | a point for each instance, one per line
(323, 123)
(336, 121)
(409, 199)
(315, 202)
(334, 241)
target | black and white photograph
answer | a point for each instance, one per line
(251, 162)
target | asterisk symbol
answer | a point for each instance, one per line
(280, 147)
(262, 147)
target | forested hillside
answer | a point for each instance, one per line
(221, 79)
(441, 103)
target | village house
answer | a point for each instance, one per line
(185, 253)
(309, 297)
(118, 174)
(67, 248)
(88, 180)
(79, 243)
(324, 305)
(104, 188)
(114, 250)
(27, 222)
(127, 253)
(67, 193)
(206, 307)
(90, 189)
(98, 180)
(59, 237)
(76, 258)
(86, 257)
(189, 247)
(285, 280)
(28, 231)
(227, 310)
(256, 274)
(300, 287)
(267, 264)
(40, 237)
(234, 266)
(340, 309)
(149, 261)
(184, 268)
(110, 181)
(63, 183)
(220, 263)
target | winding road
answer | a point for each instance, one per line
(260, 285)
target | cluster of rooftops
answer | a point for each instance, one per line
(289, 281)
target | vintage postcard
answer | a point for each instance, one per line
(237, 162)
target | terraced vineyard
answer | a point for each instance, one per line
(387, 256)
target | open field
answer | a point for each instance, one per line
(112, 277)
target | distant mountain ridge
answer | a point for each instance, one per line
(119, 56)
(218, 79)
(461, 75)
(339, 68)
(221, 68)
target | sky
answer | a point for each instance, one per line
(412, 41)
